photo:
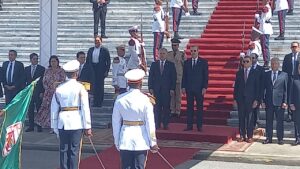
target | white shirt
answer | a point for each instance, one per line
(248, 71)
(281, 5)
(96, 54)
(12, 71)
(158, 24)
(33, 69)
(80, 69)
(176, 3)
(118, 72)
(133, 106)
(70, 94)
(276, 75)
(194, 61)
(134, 51)
(266, 28)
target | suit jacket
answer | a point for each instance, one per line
(101, 68)
(18, 79)
(287, 65)
(195, 79)
(295, 92)
(162, 82)
(95, 4)
(86, 74)
(260, 73)
(39, 72)
(2, 75)
(275, 94)
(246, 91)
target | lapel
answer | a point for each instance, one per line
(277, 78)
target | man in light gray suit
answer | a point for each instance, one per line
(275, 99)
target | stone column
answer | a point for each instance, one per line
(48, 30)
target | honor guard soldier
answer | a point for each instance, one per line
(281, 6)
(177, 7)
(177, 57)
(135, 49)
(119, 69)
(70, 116)
(133, 123)
(158, 28)
(265, 26)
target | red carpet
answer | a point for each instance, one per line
(221, 43)
(210, 133)
(111, 160)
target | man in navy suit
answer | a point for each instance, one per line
(275, 99)
(1, 80)
(162, 83)
(32, 72)
(98, 58)
(246, 96)
(85, 73)
(99, 10)
(14, 80)
(194, 85)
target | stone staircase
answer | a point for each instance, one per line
(19, 30)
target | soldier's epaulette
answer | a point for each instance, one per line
(151, 98)
(116, 60)
(131, 42)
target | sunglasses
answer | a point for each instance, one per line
(246, 61)
(175, 45)
(294, 46)
(193, 50)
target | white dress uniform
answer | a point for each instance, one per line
(158, 24)
(265, 26)
(176, 3)
(119, 69)
(281, 5)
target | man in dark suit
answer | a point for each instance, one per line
(194, 85)
(275, 99)
(246, 96)
(2, 75)
(162, 83)
(98, 58)
(85, 73)
(259, 70)
(14, 80)
(32, 72)
(99, 10)
(290, 64)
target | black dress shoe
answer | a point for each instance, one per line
(241, 139)
(29, 129)
(297, 142)
(279, 38)
(267, 141)
(290, 12)
(199, 129)
(39, 129)
(188, 129)
(280, 142)
(166, 127)
(104, 36)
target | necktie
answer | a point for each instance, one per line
(161, 67)
(80, 69)
(294, 64)
(245, 75)
(33, 70)
(274, 77)
(194, 63)
(9, 73)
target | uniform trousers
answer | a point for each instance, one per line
(176, 100)
(191, 97)
(100, 14)
(69, 148)
(133, 159)
(177, 12)
(195, 5)
(246, 118)
(279, 113)
(281, 20)
(264, 40)
(291, 4)
(157, 43)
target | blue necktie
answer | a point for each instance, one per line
(9, 73)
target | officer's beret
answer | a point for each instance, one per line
(175, 40)
(133, 29)
(71, 66)
(135, 75)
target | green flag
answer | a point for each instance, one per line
(12, 128)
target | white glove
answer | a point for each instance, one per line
(187, 14)
(117, 147)
(55, 130)
(256, 16)
(167, 14)
(242, 54)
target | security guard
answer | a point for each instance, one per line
(119, 69)
(133, 123)
(70, 116)
(177, 57)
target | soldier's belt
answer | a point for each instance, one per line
(133, 123)
(70, 108)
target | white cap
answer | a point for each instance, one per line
(242, 54)
(71, 66)
(133, 28)
(135, 75)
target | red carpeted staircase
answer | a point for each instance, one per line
(220, 44)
